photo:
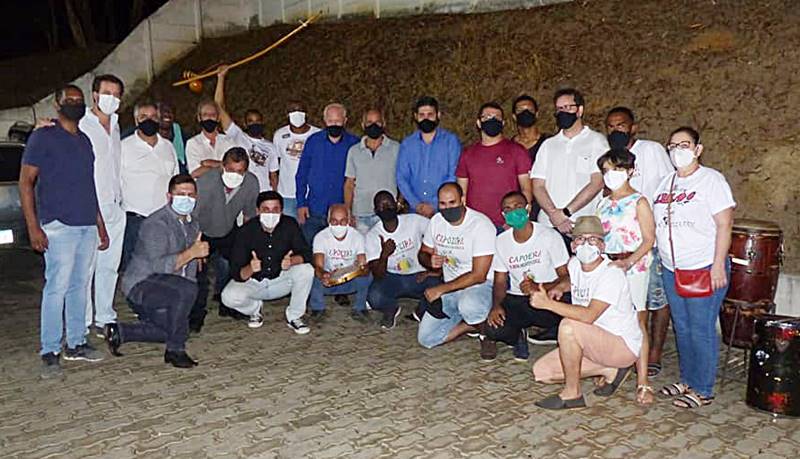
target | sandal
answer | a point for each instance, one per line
(641, 391)
(653, 370)
(609, 389)
(674, 389)
(555, 402)
(691, 400)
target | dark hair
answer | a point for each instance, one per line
(511, 194)
(688, 130)
(181, 179)
(236, 155)
(523, 98)
(493, 105)
(624, 110)
(618, 157)
(455, 185)
(108, 78)
(253, 111)
(426, 101)
(579, 100)
(59, 93)
(382, 194)
(269, 196)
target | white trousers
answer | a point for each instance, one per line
(105, 266)
(247, 297)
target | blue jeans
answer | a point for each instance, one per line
(384, 292)
(471, 305)
(163, 303)
(656, 297)
(365, 222)
(67, 273)
(359, 286)
(313, 225)
(290, 207)
(695, 324)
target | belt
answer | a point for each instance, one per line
(618, 256)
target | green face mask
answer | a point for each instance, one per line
(516, 218)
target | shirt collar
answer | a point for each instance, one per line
(584, 131)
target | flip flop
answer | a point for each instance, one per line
(609, 389)
(653, 370)
(555, 402)
(674, 389)
(691, 400)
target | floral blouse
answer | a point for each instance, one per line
(623, 233)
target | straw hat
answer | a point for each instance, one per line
(588, 224)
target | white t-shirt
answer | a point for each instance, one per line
(697, 198)
(256, 148)
(407, 240)
(609, 285)
(652, 165)
(290, 148)
(539, 256)
(146, 172)
(199, 148)
(474, 237)
(339, 254)
(566, 165)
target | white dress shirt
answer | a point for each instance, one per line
(107, 150)
(146, 172)
(199, 148)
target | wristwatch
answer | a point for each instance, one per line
(566, 212)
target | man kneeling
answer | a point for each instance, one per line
(600, 334)
(160, 281)
(269, 260)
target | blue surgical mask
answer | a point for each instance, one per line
(183, 205)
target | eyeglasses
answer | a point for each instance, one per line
(571, 108)
(685, 144)
(593, 240)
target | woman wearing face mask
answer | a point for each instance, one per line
(629, 235)
(694, 210)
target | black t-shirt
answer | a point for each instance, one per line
(270, 248)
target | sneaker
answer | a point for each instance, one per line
(389, 321)
(255, 321)
(85, 352)
(488, 348)
(342, 300)
(474, 334)
(360, 316)
(97, 330)
(298, 326)
(415, 316)
(549, 336)
(51, 366)
(317, 316)
(521, 352)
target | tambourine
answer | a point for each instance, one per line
(346, 274)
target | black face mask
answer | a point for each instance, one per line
(209, 125)
(565, 120)
(255, 130)
(618, 139)
(73, 112)
(492, 127)
(452, 214)
(148, 127)
(387, 215)
(427, 126)
(526, 118)
(373, 131)
(335, 131)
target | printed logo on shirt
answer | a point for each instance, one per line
(453, 242)
(499, 160)
(678, 199)
(580, 295)
(339, 258)
(295, 148)
(525, 260)
(404, 265)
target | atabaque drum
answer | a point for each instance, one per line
(740, 333)
(773, 382)
(756, 254)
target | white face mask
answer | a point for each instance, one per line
(183, 205)
(615, 179)
(681, 157)
(587, 253)
(269, 220)
(297, 119)
(339, 231)
(107, 103)
(232, 179)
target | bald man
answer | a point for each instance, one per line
(339, 248)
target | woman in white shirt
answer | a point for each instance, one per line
(701, 219)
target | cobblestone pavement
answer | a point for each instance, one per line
(345, 390)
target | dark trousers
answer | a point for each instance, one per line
(384, 292)
(519, 315)
(219, 252)
(313, 225)
(132, 223)
(162, 302)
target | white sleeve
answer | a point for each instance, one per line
(236, 136)
(272, 163)
(485, 235)
(193, 155)
(319, 243)
(359, 242)
(539, 168)
(557, 249)
(662, 163)
(175, 167)
(420, 224)
(373, 246)
(497, 261)
(600, 148)
(609, 287)
(427, 238)
(720, 195)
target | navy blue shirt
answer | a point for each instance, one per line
(65, 186)
(320, 174)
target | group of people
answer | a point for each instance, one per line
(585, 236)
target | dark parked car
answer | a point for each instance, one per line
(13, 232)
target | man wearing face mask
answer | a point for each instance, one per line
(566, 182)
(370, 168)
(148, 163)
(320, 175)
(600, 334)
(101, 125)
(460, 242)
(290, 141)
(170, 130)
(204, 151)
(59, 201)
(224, 195)
(525, 111)
(526, 256)
(493, 166)
(427, 158)
(269, 260)
(160, 282)
(335, 247)
(263, 154)
(392, 248)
